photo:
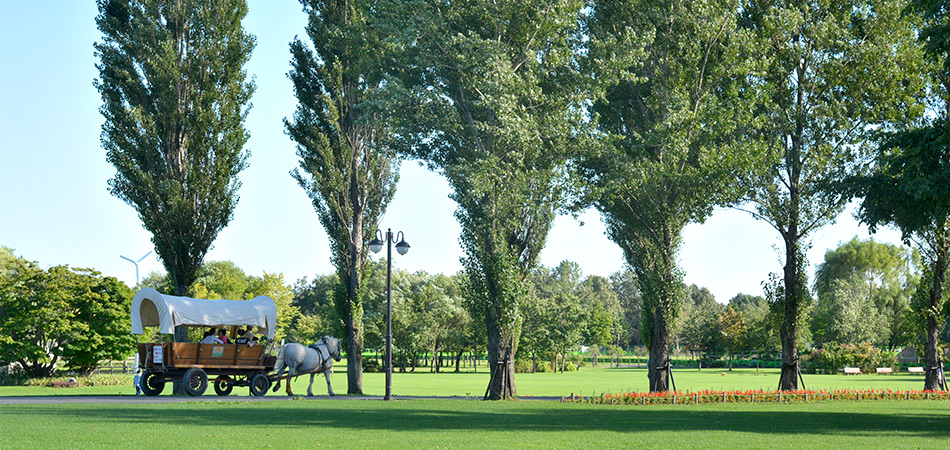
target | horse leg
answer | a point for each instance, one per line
(290, 374)
(329, 388)
(277, 383)
(310, 387)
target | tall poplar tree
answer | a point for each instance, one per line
(346, 166)
(175, 97)
(833, 71)
(670, 107)
(489, 97)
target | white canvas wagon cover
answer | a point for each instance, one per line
(153, 309)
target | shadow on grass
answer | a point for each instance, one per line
(477, 416)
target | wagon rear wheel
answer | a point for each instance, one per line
(223, 386)
(259, 385)
(152, 384)
(195, 381)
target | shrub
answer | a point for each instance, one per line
(526, 365)
(371, 365)
(834, 357)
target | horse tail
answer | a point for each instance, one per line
(280, 359)
(279, 366)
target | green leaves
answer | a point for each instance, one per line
(671, 103)
(174, 100)
(61, 314)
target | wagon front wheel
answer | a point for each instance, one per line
(223, 386)
(195, 381)
(152, 384)
(259, 385)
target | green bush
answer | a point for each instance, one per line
(833, 357)
(371, 365)
(526, 365)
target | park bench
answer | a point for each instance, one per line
(852, 371)
(884, 370)
(915, 370)
(62, 384)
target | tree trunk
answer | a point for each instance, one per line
(354, 356)
(789, 329)
(931, 350)
(501, 354)
(458, 360)
(659, 352)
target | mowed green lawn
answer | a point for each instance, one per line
(471, 424)
(587, 381)
(461, 423)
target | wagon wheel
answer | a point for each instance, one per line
(152, 384)
(195, 381)
(259, 385)
(223, 386)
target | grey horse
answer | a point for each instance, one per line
(313, 359)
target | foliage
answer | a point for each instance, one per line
(830, 73)
(59, 315)
(487, 95)
(761, 334)
(220, 280)
(274, 286)
(346, 166)
(850, 316)
(318, 316)
(887, 274)
(669, 85)
(625, 285)
(833, 357)
(697, 329)
(174, 100)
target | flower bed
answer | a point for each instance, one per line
(754, 396)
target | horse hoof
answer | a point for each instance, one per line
(289, 394)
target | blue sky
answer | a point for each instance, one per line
(55, 209)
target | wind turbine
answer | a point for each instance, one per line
(136, 265)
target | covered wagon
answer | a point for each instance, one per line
(196, 364)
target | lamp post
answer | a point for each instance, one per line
(402, 247)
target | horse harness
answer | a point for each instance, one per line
(323, 349)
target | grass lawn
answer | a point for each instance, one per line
(454, 423)
(587, 381)
(442, 424)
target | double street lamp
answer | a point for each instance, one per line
(402, 247)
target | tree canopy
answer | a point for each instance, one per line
(487, 94)
(669, 105)
(830, 73)
(174, 98)
(346, 166)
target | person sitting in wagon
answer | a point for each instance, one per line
(210, 338)
(242, 338)
(251, 337)
(223, 335)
